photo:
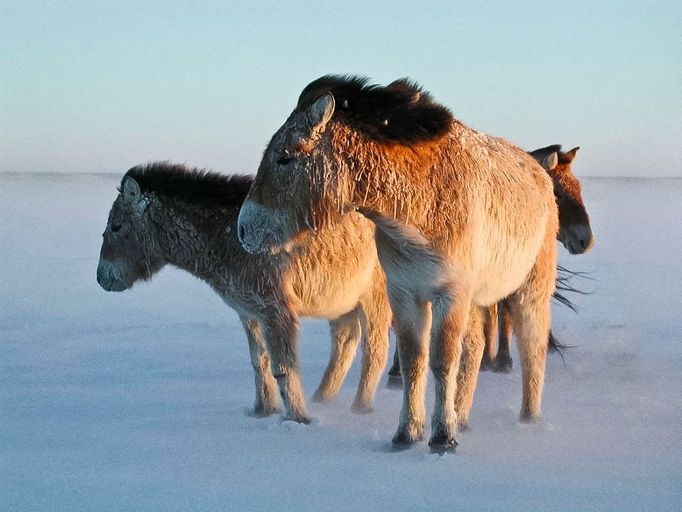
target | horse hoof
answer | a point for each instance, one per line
(503, 365)
(486, 364)
(394, 382)
(529, 418)
(360, 408)
(263, 411)
(321, 397)
(402, 441)
(299, 418)
(442, 444)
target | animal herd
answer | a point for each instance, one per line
(372, 207)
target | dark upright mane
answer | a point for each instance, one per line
(400, 112)
(191, 185)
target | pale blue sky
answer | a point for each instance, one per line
(101, 86)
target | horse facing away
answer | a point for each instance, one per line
(169, 214)
(575, 234)
(482, 206)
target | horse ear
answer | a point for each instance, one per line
(569, 156)
(550, 162)
(130, 190)
(320, 112)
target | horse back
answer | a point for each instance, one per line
(491, 212)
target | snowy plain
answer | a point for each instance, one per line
(139, 400)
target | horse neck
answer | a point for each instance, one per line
(194, 238)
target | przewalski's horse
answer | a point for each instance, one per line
(483, 206)
(168, 214)
(575, 233)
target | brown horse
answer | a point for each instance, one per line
(480, 208)
(169, 214)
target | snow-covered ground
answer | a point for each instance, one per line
(138, 401)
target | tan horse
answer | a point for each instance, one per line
(575, 233)
(170, 214)
(482, 206)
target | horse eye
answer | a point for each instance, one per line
(115, 228)
(284, 160)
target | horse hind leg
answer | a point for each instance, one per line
(448, 328)
(345, 336)
(416, 277)
(503, 361)
(531, 313)
(375, 321)
(412, 330)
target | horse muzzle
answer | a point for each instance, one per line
(577, 238)
(258, 229)
(109, 278)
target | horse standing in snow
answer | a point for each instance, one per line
(575, 234)
(481, 210)
(168, 214)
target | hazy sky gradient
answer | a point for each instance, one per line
(101, 86)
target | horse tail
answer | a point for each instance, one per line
(404, 252)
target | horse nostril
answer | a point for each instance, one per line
(242, 232)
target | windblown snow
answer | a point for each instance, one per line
(139, 400)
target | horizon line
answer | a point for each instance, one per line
(114, 173)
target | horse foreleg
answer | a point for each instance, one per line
(395, 378)
(531, 313)
(345, 334)
(281, 337)
(267, 401)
